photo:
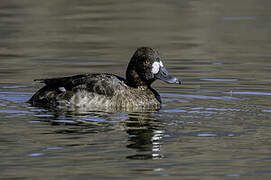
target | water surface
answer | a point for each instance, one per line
(216, 125)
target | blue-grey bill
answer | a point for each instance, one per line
(165, 76)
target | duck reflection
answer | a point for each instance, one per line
(145, 137)
(143, 129)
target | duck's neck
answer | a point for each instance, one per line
(133, 79)
(132, 76)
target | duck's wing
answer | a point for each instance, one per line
(103, 84)
(54, 87)
(66, 82)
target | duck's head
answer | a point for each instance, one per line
(145, 67)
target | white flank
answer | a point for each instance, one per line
(62, 89)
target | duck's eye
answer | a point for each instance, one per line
(148, 62)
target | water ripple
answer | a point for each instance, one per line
(13, 87)
(35, 154)
(249, 93)
(97, 120)
(64, 121)
(217, 109)
(266, 111)
(201, 96)
(206, 135)
(207, 79)
(239, 18)
(14, 112)
(173, 110)
(54, 148)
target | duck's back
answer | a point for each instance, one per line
(94, 92)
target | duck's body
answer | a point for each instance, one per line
(95, 92)
(107, 91)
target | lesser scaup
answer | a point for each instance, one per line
(107, 91)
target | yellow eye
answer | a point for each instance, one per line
(148, 62)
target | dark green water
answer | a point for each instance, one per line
(216, 125)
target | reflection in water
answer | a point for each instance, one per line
(144, 133)
(144, 138)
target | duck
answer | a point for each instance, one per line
(104, 91)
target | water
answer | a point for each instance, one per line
(216, 125)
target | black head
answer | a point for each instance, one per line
(145, 67)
